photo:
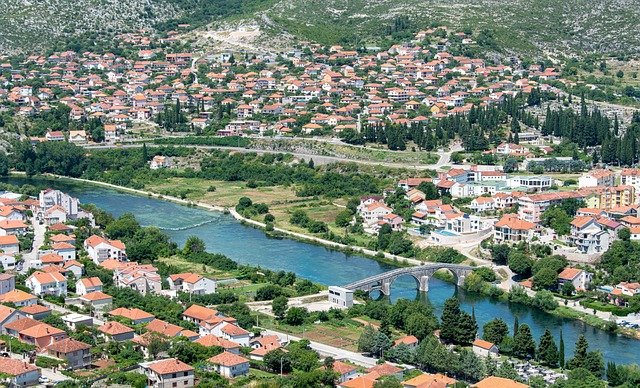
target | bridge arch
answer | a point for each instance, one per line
(422, 274)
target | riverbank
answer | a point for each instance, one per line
(383, 257)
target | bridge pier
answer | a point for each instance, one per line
(460, 280)
(424, 284)
(386, 288)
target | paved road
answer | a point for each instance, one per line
(53, 377)
(326, 350)
(64, 310)
(444, 156)
(38, 240)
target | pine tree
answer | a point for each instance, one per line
(580, 354)
(614, 377)
(547, 350)
(449, 320)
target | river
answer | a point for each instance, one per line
(223, 234)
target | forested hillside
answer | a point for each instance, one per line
(532, 26)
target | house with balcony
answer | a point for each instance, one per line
(47, 283)
(597, 177)
(579, 278)
(589, 235)
(100, 249)
(511, 229)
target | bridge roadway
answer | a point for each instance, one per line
(382, 282)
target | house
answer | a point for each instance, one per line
(97, 300)
(511, 229)
(387, 369)
(428, 380)
(160, 161)
(75, 267)
(498, 382)
(87, 285)
(47, 283)
(484, 348)
(8, 261)
(140, 277)
(235, 333)
(19, 298)
(170, 330)
(589, 236)
(116, 331)
(7, 283)
(76, 354)
(64, 250)
(408, 340)
(51, 259)
(135, 315)
(14, 328)
(230, 365)
(13, 227)
(41, 335)
(210, 340)
(599, 177)
(345, 371)
(100, 249)
(628, 288)
(78, 137)
(75, 320)
(373, 213)
(22, 373)
(578, 277)
(262, 345)
(366, 381)
(482, 204)
(55, 215)
(197, 314)
(192, 283)
(9, 244)
(8, 315)
(49, 198)
(36, 311)
(168, 373)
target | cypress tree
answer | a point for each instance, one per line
(561, 351)
(515, 326)
(614, 377)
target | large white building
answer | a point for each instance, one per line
(100, 249)
(192, 283)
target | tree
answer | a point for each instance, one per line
(614, 376)
(580, 378)
(193, 245)
(500, 253)
(296, 316)
(471, 366)
(343, 219)
(523, 344)
(546, 278)
(545, 300)
(277, 361)
(561, 351)
(373, 342)
(495, 331)
(419, 325)
(520, 263)
(279, 306)
(557, 219)
(457, 326)
(510, 165)
(4, 164)
(547, 350)
(580, 354)
(388, 382)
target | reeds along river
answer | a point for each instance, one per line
(246, 245)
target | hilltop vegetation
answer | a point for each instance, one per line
(523, 26)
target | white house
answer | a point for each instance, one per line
(100, 249)
(589, 236)
(170, 372)
(87, 285)
(579, 278)
(375, 212)
(485, 348)
(49, 198)
(160, 161)
(47, 283)
(22, 373)
(191, 283)
(8, 261)
(230, 365)
(599, 177)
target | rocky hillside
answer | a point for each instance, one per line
(568, 26)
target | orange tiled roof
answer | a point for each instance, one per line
(228, 359)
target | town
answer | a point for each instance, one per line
(429, 161)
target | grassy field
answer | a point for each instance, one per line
(225, 194)
(344, 335)
(205, 270)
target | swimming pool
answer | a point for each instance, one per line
(444, 232)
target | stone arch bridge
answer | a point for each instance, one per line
(382, 282)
